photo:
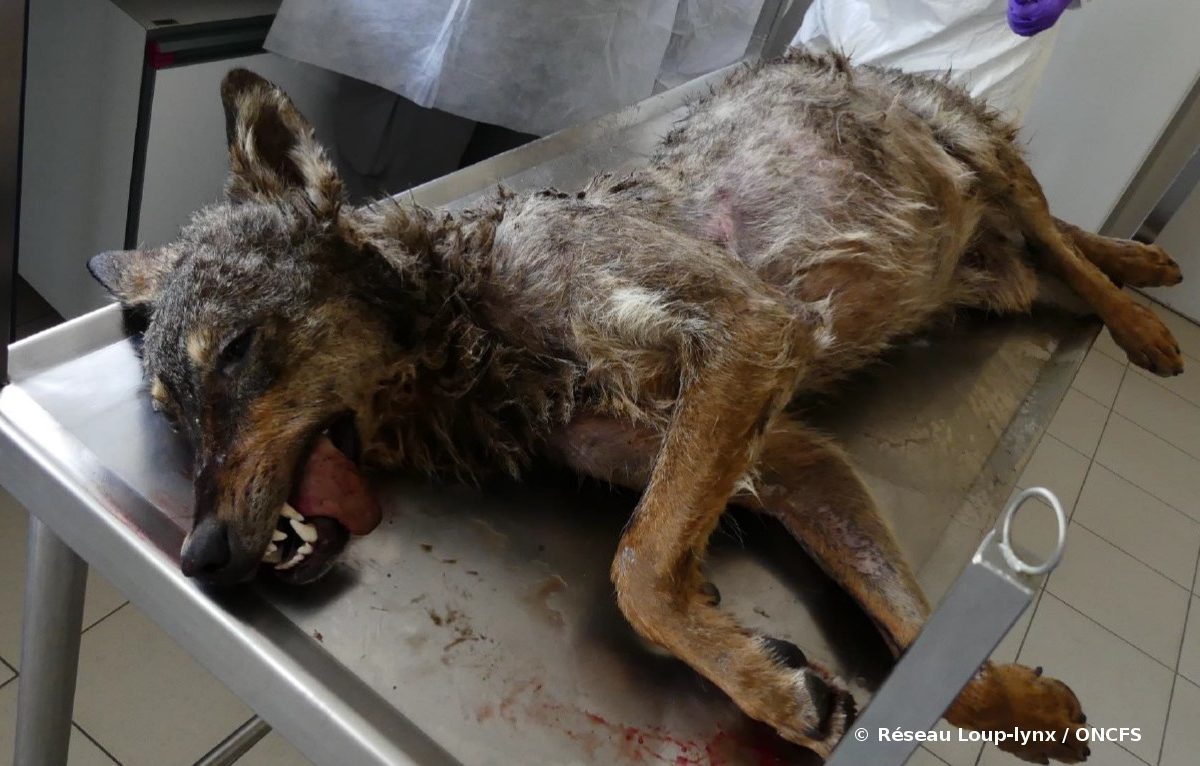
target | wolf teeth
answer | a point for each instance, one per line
(290, 513)
(273, 554)
(293, 561)
(307, 532)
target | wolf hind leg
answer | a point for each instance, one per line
(810, 487)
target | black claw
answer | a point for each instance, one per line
(821, 696)
(787, 652)
(1038, 670)
(849, 708)
(710, 590)
(1083, 717)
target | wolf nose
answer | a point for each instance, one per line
(206, 550)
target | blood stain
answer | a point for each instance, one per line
(540, 599)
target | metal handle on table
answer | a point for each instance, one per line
(980, 608)
(1010, 511)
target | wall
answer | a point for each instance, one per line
(1119, 72)
(186, 160)
(84, 67)
(1181, 238)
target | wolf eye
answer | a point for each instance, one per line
(235, 350)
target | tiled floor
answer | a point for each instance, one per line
(1119, 620)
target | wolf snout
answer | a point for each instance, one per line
(211, 554)
(206, 550)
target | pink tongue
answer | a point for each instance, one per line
(331, 486)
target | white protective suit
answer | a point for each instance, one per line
(971, 38)
(530, 65)
(537, 66)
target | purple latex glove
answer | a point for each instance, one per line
(1029, 17)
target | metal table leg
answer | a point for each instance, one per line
(237, 744)
(54, 588)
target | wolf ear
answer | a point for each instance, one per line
(272, 148)
(134, 277)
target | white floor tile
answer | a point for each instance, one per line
(142, 696)
(922, 757)
(81, 751)
(1122, 594)
(101, 598)
(954, 753)
(1181, 746)
(1116, 684)
(274, 750)
(1141, 525)
(1189, 656)
(1160, 412)
(1079, 422)
(1186, 385)
(1058, 467)
(1099, 377)
(1165, 471)
(1103, 754)
(1107, 346)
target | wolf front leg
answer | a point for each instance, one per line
(711, 443)
(1124, 261)
(1143, 336)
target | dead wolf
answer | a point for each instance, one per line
(649, 329)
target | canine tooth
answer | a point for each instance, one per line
(278, 536)
(307, 532)
(293, 561)
(272, 555)
(291, 513)
(304, 550)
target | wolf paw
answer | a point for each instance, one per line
(1146, 340)
(821, 708)
(1147, 266)
(1024, 699)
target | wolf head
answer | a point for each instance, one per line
(269, 324)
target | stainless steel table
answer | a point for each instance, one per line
(478, 626)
